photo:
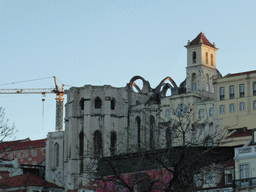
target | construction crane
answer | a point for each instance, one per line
(59, 99)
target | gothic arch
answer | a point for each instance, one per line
(97, 142)
(146, 86)
(138, 126)
(152, 132)
(166, 86)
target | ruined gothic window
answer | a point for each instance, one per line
(56, 154)
(81, 151)
(151, 132)
(97, 142)
(81, 104)
(168, 137)
(113, 139)
(194, 57)
(138, 130)
(113, 104)
(206, 58)
(98, 103)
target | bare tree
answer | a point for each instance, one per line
(6, 131)
(185, 145)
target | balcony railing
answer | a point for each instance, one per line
(248, 182)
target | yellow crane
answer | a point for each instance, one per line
(59, 99)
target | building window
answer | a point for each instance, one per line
(56, 153)
(232, 108)
(193, 82)
(212, 59)
(97, 141)
(222, 93)
(18, 154)
(241, 90)
(254, 104)
(242, 106)
(112, 103)
(138, 131)
(222, 109)
(34, 153)
(25, 154)
(229, 178)
(231, 92)
(98, 103)
(201, 113)
(81, 151)
(194, 57)
(113, 139)
(206, 57)
(151, 132)
(211, 112)
(81, 104)
(244, 171)
(10, 156)
(254, 88)
(167, 113)
(208, 142)
(207, 85)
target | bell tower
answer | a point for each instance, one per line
(201, 65)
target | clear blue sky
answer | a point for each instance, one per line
(108, 42)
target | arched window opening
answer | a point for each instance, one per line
(113, 139)
(138, 131)
(194, 57)
(81, 144)
(57, 154)
(207, 83)
(97, 141)
(113, 103)
(81, 104)
(206, 58)
(98, 103)
(212, 59)
(151, 132)
(193, 82)
(168, 137)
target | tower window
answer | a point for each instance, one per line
(241, 90)
(207, 83)
(231, 92)
(112, 103)
(97, 141)
(206, 58)
(98, 103)
(193, 82)
(194, 57)
(212, 59)
(151, 132)
(113, 139)
(138, 131)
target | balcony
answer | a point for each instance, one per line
(248, 182)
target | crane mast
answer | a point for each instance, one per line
(59, 99)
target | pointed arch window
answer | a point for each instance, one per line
(151, 132)
(206, 58)
(81, 105)
(57, 154)
(212, 59)
(207, 82)
(193, 82)
(113, 139)
(112, 103)
(138, 131)
(97, 142)
(194, 57)
(97, 103)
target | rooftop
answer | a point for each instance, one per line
(201, 39)
(242, 73)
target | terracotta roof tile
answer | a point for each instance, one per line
(241, 132)
(201, 39)
(29, 145)
(241, 73)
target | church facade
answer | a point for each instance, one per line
(102, 121)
